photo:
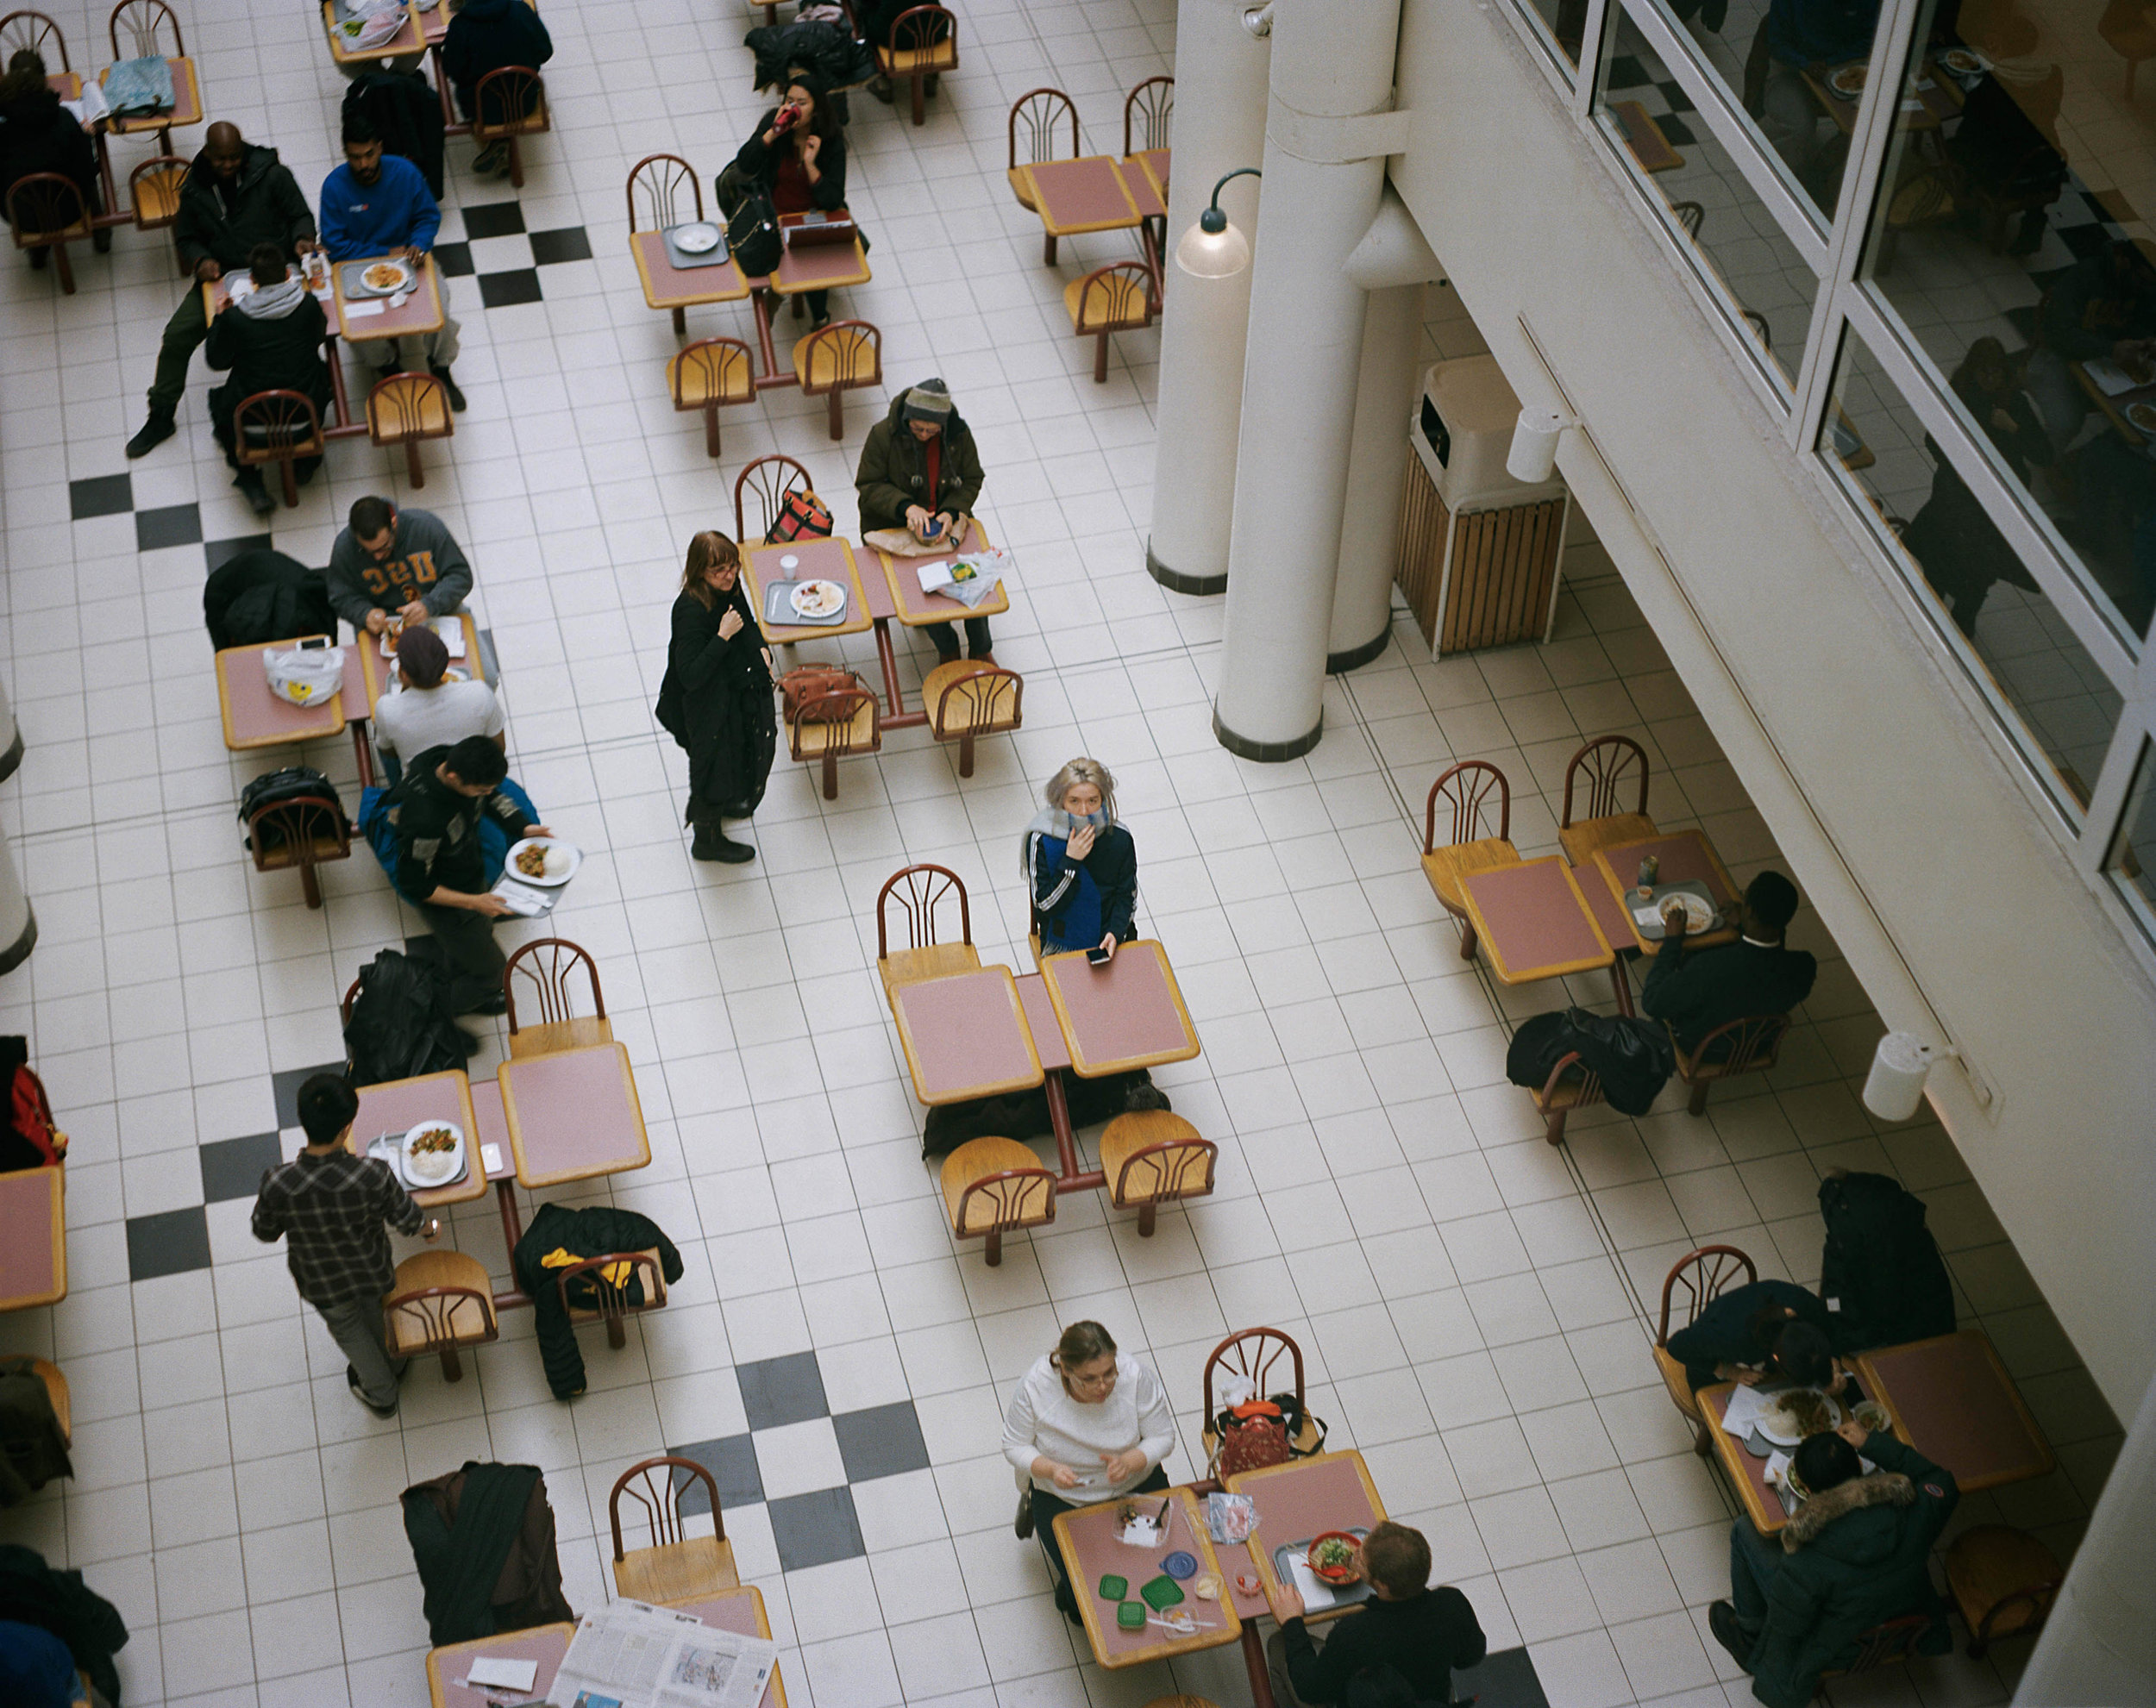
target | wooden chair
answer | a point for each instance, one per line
(919, 892)
(1704, 1275)
(2002, 1582)
(611, 1275)
(662, 182)
(1750, 1045)
(277, 427)
(303, 831)
(548, 966)
(519, 94)
(56, 1392)
(770, 479)
(2129, 32)
(407, 408)
(1466, 790)
(1152, 103)
(37, 34)
(154, 191)
(1890, 1644)
(1117, 297)
(830, 726)
(1608, 763)
(677, 1565)
(832, 360)
(1254, 1354)
(1152, 1158)
(1570, 1086)
(965, 699)
(711, 374)
(442, 1300)
(149, 23)
(1040, 110)
(46, 210)
(916, 52)
(994, 1186)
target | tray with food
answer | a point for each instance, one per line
(1698, 901)
(795, 605)
(545, 861)
(1849, 81)
(425, 1157)
(1797, 1414)
(699, 244)
(1312, 1566)
(384, 278)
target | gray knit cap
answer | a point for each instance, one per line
(928, 401)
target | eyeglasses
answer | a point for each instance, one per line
(1106, 1379)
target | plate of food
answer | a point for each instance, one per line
(1798, 1413)
(546, 861)
(384, 278)
(433, 1153)
(818, 598)
(1335, 1557)
(1699, 912)
(1848, 82)
(1872, 1415)
(1962, 63)
(2143, 415)
(698, 238)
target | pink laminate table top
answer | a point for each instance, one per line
(965, 1036)
(1952, 1399)
(422, 312)
(545, 1644)
(573, 1114)
(254, 717)
(398, 1105)
(1040, 1021)
(1092, 1546)
(912, 607)
(1086, 194)
(1687, 857)
(33, 1237)
(1302, 1499)
(1534, 921)
(666, 286)
(1126, 1015)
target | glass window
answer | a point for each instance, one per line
(2022, 648)
(2133, 861)
(1781, 61)
(1566, 21)
(2004, 236)
(1770, 286)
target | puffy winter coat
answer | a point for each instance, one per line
(568, 1236)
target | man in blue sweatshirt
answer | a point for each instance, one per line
(378, 204)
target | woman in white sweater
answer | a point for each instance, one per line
(1086, 1425)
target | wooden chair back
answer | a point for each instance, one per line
(1466, 789)
(922, 29)
(1608, 763)
(660, 1499)
(1152, 104)
(1691, 215)
(841, 356)
(1117, 297)
(302, 831)
(441, 1300)
(612, 1274)
(1750, 1045)
(991, 1186)
(37, 34)
(147, 23)
(984, 702)
(770, 479)
(1702, 1276)
(2003, 1581)
(276, 426)
(510, 101)
(1255, 1355)
(46, 207)
(1889, 1643)
(1037, 113)
(916, 892)
(1152, 1157)
(661, 191)
(1572, 1084)
(831, 726)
(548, 967)
(711, 370)
(407, 408)
(153, 190)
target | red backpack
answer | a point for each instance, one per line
(30, 1120)
(803, 515)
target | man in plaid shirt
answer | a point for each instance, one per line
(333, 1208)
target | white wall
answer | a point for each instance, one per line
(1900, 818)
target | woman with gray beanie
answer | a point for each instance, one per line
(919, 471)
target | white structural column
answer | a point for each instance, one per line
(2100, 1643)
(1332, 64)
(18, 925)
(1220, 127)
(1393, 263)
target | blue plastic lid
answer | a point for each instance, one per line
(1179, 1564)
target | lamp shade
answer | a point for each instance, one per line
(1533, 455)
(1895, 1086)
(1213, 254)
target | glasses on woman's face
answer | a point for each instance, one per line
(1097, 1383)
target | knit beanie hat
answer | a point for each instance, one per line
(421, 655)
(929, 401)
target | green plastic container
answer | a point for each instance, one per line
(1113, 1588)
(1161, 1594)
(1132, 1616)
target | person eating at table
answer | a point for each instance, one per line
(237, 197)
(1856, 1555)
(388, 563)
(269, 340)
(1407, 1638)
(1758, 975)
(488, 35)
(919, 471)
(428, 711)
(1080, 865)
(1087, 1423)
(1764, 1331)
(378, 204)
(38, 135)
(797, 154)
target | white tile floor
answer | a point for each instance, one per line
(1473, 1303)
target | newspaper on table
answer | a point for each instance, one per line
(633, 1655)
(971, 579)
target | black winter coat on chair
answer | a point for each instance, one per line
(582, 1234)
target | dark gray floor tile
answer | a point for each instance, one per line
(814, 1529)
(218, 553)
(569, 244)
(170, 1242)
(103, 495)
(884, 1440)
(731, 1460)
(780, 1390)
(455, 260)
(233, 1167)
(1505, 1679)
(174, 525)
(504, 290)
(494, 219)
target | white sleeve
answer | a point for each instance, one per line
(496, 723)
(1018, 1426)
(1156, 1419)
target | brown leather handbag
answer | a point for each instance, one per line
(805, 682)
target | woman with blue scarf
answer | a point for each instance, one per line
(1081, 863)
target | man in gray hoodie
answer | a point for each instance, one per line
(395, 563)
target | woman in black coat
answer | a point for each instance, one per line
(797, 156)
(37, 134)
(716, 698)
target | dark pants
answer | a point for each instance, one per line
(945, 635)
(184, 335)
(1753, 1562)
(1047, 1505)
(475, 961)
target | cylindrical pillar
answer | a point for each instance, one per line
(1219, 126)
(1377, 460)
(18, 925)
(1332, 60)
(2100, 1644)
(11, 737)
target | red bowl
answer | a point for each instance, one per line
(1335, 1574)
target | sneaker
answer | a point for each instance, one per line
(1722, 1621)
(352, 1381)
(492, 160)
(249, 481)
(448, 385)
(154, 431)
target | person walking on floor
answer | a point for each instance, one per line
(716, 698)
(333, 1210)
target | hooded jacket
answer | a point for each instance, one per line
(485, 36)
(261, 204)
(1856, 1556)
(278, 350)
(893, 471)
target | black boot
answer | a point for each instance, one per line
(456, 398)
(712, 843)
(154, 431)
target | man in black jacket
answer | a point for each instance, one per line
(434, 811)
(1758, 974)
(271, 340)
(1419, 1633)
(237, 196)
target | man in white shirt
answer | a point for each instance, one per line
(430, 712)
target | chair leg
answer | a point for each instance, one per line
(1553, 1127)
(452, 1365)
(1703, 1442)
(830, 774)
(516, 166)
(965, 754)
(1467, 941)
(838, 413)
(285, 467)
(1145, 1215)
(681, 323)
(616, 1331)
(1100, 358)
(66, 271)
(800, 306)
(310, 885)
(992, 1249)
(920, 111)
(1048, 249)
(1697, 1105)
(710, 431)
(418, 475)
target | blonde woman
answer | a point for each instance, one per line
(1081, 863)
(716, 698)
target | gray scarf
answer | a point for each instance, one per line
(1055, 822)
(272, 302)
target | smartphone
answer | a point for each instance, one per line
(1097, 956)
(316, 644)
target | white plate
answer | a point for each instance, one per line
(696, 239)
(435, 1169)
(562, 861)
(1699, 912)
(1849, 81)
(2143, 415)
(1770, 1426)
(403, 276)
(1964, 63)
(818, 598)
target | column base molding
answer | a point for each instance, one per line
(1177, 583)
(1266, 752)
(1339, 664)
(19, 951)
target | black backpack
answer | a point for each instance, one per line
(263, 596)
(295, 782)
(1881, 1274)
(401, 1026)
(405, 113)
(752, 234)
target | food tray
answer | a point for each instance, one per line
(1691, 886)
(1343, 1595)
(778, 612)
(390, 1147)
(352, 278)
(683, 260)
